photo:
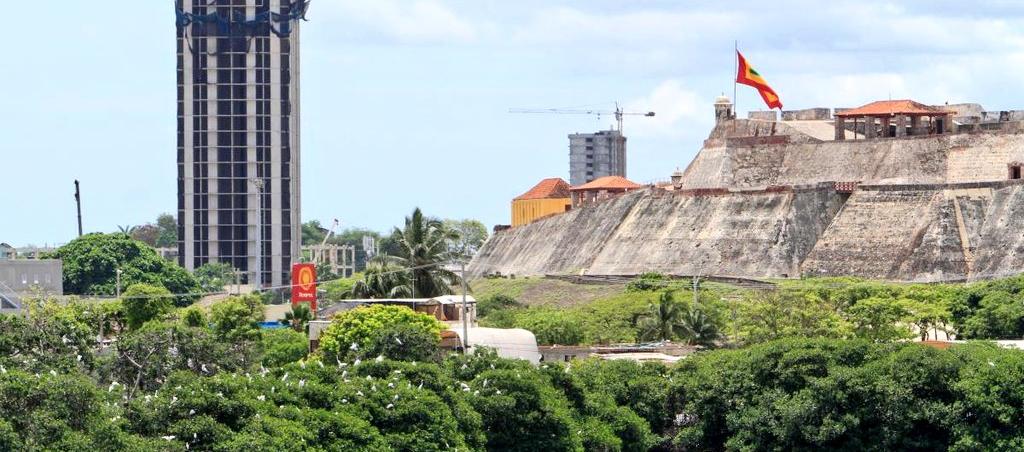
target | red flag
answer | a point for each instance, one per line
(748, 76)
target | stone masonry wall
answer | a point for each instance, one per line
(759, 234)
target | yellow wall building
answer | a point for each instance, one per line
(549, 197)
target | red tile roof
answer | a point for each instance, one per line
(886, 107)
(608, 182)
(549, 188)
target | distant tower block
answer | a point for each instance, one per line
(723, 109)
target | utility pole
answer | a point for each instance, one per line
(78, 202)
(465, 309)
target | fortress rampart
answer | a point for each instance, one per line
(779, 199)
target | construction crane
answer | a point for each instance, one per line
(618, 112)
(330, 232)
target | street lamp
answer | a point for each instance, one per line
(260, 186)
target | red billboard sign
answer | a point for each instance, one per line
(304, 285)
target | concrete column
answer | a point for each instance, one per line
(901, 126)
(840, 128)
(915, 125)
(885, 126)
(869, 127)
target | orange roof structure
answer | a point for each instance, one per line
(608, 183)
(894, 107)
(554, 187)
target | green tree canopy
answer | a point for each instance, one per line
(144, 302)
(91, 263)
(213, 276)
(469, 235)
(237, 318)
(352, 332)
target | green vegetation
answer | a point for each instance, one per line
(91, 263)
(170, 385)
(162, 234)
(214, 276)
(298, 317)
(143, 302)
(841, 308)
(352, 332)
(423, 246)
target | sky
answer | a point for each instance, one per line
(405, 103)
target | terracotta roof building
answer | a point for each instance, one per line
(549, 197)
(894, 118)
(600, 189)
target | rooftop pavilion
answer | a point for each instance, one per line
(894, 118)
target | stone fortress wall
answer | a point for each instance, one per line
(761, 200)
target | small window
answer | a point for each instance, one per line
(1015, 171)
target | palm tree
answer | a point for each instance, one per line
(661, 322)
(697, 328)
(669, 319)
(383, 278)
(423, 248)
(299, 316)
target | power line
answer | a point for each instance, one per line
(265, 289)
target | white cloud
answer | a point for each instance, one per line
(678, 112)
(564, 25)
(419, 21)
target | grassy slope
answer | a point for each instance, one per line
(544, 292)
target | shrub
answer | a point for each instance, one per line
(647, 282)
(496, 303)
(144, 302)
(552, 327)
(360, 326)
(237, 318)
(283, 346)
(404, 342)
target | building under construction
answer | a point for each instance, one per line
(238, 135)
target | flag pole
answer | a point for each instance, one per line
(735, 72)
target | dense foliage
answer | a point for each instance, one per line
(352, 332)
(170, 386)
(213, 276)
(91, 263)
(826, 307)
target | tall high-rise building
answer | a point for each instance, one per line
(595, 155)
(238, 135)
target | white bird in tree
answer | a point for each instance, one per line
(168, 437)
(359, 393)
(390, 406)
(202, 367)
(420, 386)
(285, 377)
(191, 412)
(261, 397)
(302, 383)
(113, 384)
(344, 373)
(379, 358)
(357, 362)
(321, 363)
(354, 346)
(398, 340)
